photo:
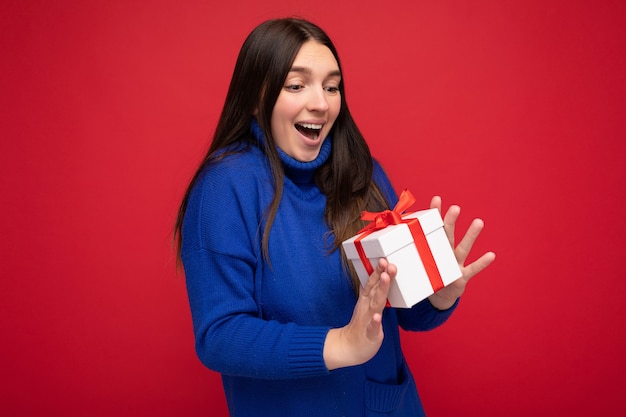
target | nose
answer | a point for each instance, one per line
(318, 102)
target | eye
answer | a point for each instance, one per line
(332, 89)
(294, 87)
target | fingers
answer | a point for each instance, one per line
(449, 222)
(378, 295)
(435, 202)
(376, 300)
(374, 328)
(462, 250)
(478, 265)
(465, 246)
(375, 277)
(359, 340)
(374, 296)
(377, 286)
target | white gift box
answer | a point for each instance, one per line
(395, 242)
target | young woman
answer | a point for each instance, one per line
(275, 307)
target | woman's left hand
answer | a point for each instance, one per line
(447, 296)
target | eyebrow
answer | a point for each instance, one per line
(306, 70)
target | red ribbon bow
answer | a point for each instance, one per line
(380, 220)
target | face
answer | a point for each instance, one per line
(308, 104)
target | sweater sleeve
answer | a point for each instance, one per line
(422, 316)
(220, 256)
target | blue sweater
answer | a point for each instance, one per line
(263, 325)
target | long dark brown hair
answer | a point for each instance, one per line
(258, 78)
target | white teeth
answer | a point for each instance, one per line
(311, 126)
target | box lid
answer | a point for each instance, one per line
(392, 238)
(430, 219)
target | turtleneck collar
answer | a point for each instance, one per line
(299, 172)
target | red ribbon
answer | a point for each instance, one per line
(380, 220)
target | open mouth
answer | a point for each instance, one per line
(310, 130)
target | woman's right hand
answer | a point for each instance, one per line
(358, 341)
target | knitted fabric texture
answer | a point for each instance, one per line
(263, 326)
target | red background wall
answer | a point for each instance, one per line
(512, 109)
